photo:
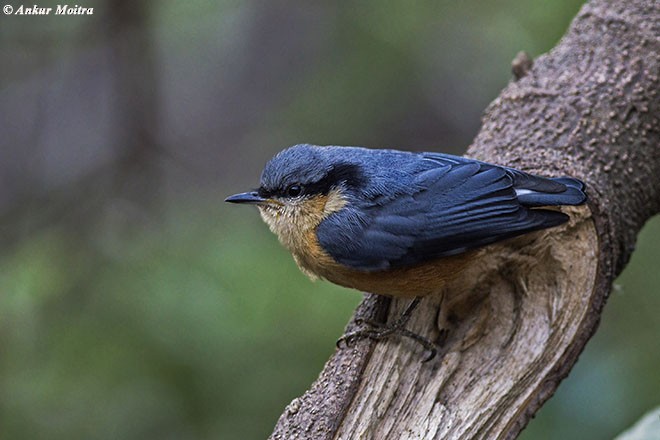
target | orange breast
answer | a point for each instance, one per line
(418, 280)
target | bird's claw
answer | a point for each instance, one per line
(378, 332)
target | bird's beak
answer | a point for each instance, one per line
(251, 198)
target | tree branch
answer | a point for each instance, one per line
(524, 312)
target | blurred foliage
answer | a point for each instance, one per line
(196, 329)
(134, 304)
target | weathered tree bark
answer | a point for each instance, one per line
(590, 109)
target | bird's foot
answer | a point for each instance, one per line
(382, 332)
(378, 331)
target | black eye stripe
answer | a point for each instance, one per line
(344, 173)
(266, 194)
(348, 174)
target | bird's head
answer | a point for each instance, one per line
(300, 187)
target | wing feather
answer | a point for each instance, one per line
(458, 205)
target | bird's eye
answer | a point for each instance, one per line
(294, 191)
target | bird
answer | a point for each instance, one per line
(398, 223)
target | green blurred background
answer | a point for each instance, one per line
(134, 304)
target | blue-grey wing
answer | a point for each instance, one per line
(531, 190)
(454, 207)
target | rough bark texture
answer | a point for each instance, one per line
(522, 315)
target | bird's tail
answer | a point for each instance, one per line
(551, 191)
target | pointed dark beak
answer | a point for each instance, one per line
(251, 198)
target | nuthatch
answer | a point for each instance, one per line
(398, 223)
